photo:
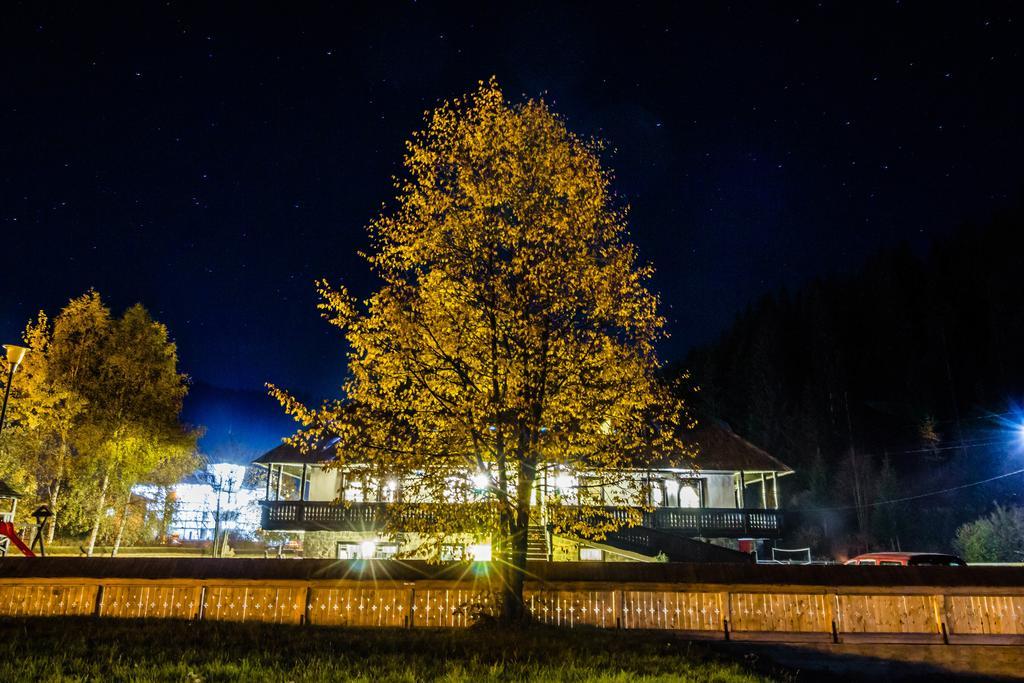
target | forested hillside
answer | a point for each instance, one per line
(891, 382)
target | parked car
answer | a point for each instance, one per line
(907, 560)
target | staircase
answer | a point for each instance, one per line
(538, 544)
(653, 542)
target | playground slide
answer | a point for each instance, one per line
(7, 529)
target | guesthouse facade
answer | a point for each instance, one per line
(728, 501)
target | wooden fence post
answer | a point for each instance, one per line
(97, 610)
(832, 605)
(202, 603)
(836, 616)
(412, 612)
(944, 618)
(727, 617)
(620, 618)
(307, 605)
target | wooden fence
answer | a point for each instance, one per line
(758, 603)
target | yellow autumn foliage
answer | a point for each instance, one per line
(513, 334)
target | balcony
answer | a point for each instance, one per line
(294, 515)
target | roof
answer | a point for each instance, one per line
(290, 455)
(7, 491)
(887, 555)
(720, 448)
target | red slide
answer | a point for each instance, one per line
(7, 529)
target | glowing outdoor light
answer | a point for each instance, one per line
(565, 481)
(481, 481)
(368, 549)
(480, 552)
(227, 473)
(15, 354)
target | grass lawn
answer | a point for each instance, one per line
(113, 650)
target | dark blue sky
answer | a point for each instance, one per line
(212, 160)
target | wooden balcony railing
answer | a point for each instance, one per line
(293, 515)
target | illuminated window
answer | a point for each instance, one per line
(452, 552)
(354, 491)
(657, 494)
(689, 495)
(385, 551)
(348, 551)
(591, 491)
(591, 555)
(480, 552)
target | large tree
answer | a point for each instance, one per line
(512, 340)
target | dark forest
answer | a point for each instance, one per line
(891, 382)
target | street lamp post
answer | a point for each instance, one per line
(15, 354)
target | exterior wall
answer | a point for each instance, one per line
(568, 550)
(324, 544)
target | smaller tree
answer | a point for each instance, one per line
(996, 537)
(137, 395)
(97, 410)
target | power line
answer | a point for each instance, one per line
(978, 443)
(918, 496)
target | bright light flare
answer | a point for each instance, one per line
(480, 552)
(227, 473)
(481, 482)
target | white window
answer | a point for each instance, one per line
(657, 494)
(385, 551)
(354, 490)
(348, 551)
(591, 555)
(452, 552)
(689, 495)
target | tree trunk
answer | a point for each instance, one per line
(121, 525)
(54, 495)
(168, 516)
(513, 606)
(100, 511)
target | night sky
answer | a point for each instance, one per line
(212, 161)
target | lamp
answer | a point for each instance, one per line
(42, 515)
(15, 354)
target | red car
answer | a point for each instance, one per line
(908, 560)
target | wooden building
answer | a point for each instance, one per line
(729, 500)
